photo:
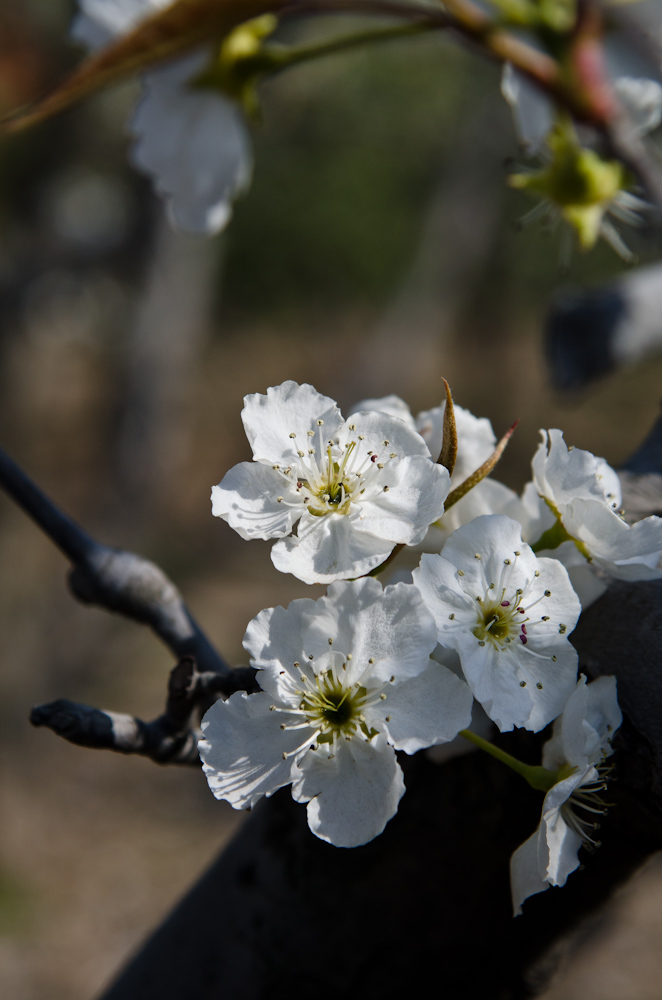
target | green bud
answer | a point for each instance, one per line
(578, 182)
(240, 62)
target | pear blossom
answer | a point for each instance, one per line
(575, 183)
(346, 681)
(352, 489)
(580, 743)
(192, 142)
(578, 500)
(509, 615)
(476, 441)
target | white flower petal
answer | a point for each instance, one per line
(243, 746)
(532, 110)
(558, 844)
(352, 796)
(489, 497)
(642, 100)
(582, 735)
(630, 552)
(247, 498)
(392, 405)
(100, 21)
(390, 626)
(414, 499)
(287, 409)
(329, 549)
(525, 877)
(194, 144)
(428, 709)
(384, 434)
(563, 474)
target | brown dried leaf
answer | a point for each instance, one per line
(181, 26)
(449, 443)
(480, 473)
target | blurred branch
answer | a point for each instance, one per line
(169, 739)
(114, 579)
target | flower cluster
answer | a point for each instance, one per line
(367, 670)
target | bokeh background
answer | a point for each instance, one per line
(376, 252)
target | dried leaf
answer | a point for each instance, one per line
(449, 443)
(186, 23)
(480, 473)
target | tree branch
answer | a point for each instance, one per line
(113, 579)
(169, 739)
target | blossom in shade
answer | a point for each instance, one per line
(339, 494)
(509, 616)
(580, 743)
(581, 494)
(475, 443)
(346, 681)
(192, 141)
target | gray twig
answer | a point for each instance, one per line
(169, 739)
(114, 579)
(132, 586)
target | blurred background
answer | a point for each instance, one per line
(377, 251)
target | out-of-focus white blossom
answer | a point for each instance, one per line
(192, 141)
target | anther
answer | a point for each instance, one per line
(506, 562)
(272, 708)
(310, 656)
(537, 573)
(382, 697)
(282, 725)
(330, 641)
(477, 555)
(386, 444)
(517, 552)
(279, 499)
(554, 659)
(361, 437)
(388, 718)
(391, 678)
(393, 454)
(292, 435)
(380, 465)
(320, 423)
(275, 466)
(481, 642)
(452, 616)
(545, 618)
(562, 629)
(460, 572)
(522, 684)
(300, 454)
(548, 593)
(311, 434)
(371, 660)
(349, 656)
(284, 756)
(296, 664)
(539, 686)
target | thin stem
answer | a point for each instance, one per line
(282, 57)
(538, 777)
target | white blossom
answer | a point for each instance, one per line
(346, 681)
(352, 489)
(509, 615)
(476, 441)
(583, 493)
(581, 741)
(192, 142)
